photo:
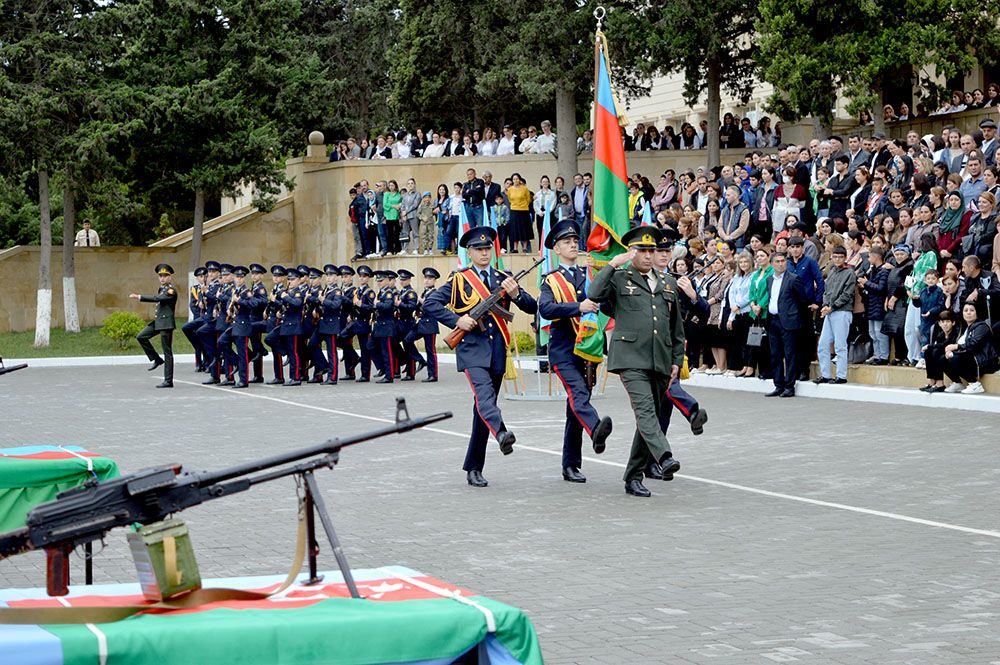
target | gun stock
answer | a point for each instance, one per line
(454, 337)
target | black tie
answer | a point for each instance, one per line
(486, 277)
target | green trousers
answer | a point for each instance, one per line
(645, 389)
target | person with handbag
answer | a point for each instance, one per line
(757, 332)
(738, 319)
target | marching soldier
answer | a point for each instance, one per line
(163, 325)
(562, 300)
(331, 301)
(196, 303)
(384, 329)
(646, 347)
(406, 324)
(259, 322)
(222, 328)
(310, 321)
(244, 302)
(274, 316)
(482, 354)
(345, 340)
(364, 306)
(293, 301)
(427, 327)
(209, 339)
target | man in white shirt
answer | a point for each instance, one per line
(87, 237)
(546, 143)
(507, 143)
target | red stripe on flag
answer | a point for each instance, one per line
(610, 151)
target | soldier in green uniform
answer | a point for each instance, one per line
(163, 325)
(646, 347)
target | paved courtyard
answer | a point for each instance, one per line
(801, 531)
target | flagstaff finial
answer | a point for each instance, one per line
(599, 14)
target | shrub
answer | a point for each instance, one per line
(525, 342)
(122, 327)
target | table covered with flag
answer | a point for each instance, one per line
(403, 617)
(30, 475)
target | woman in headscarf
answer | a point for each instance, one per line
(953, 224)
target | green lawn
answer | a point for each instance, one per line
(87, 342)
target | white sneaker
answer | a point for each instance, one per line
(921, 364)
(713, 371)
(729, 372)
(956, 387)
(973, 389)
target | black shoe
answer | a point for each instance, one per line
(653, 471)
(420, 365)
(636, 488)
(209, 382)
(839, 382)
(199, 369)
(669, 466)
(228, 382)
(408, 378)
(698, 422)
(787, 392)
(241, 384)
(774, 393)
(316, 379)
(384, 380)
(822, 379)
(927, 389)
(363, 379)
(429, 379)
(475, 478)
(156, 363)
(329, 382)
(572, 474)
(258, 379)
(506, 440)
(601, 434)
(292, 383)
(276, 382)
(347, 377)
(936, 389)
(166, 384)
(804, 376)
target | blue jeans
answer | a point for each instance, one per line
(836, 325)
(475, 215)
(880, 341)
(383, 239)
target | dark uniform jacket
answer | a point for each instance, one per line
(294, 300)
(385, 313)
(246, 302)
(562, 332)
(333, 303)
(222, 300)
(165, 300)
(363, 312)
(427, 325)
(649, 332)
(405, 322)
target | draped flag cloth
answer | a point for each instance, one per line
(544, 325)
(463, 226)
(491, 221)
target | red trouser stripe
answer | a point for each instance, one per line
(475, 396)
(295, 350)
(680, 407)
(569, 397)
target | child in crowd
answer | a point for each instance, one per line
(564, 210)
(455, 204)
(427, 225)
(501, 215)
(931, 301)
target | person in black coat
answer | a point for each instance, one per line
(971, 355)
(786, 300)
(895, 304)
(941, 336)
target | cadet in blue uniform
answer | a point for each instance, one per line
(482, 354)
(331, 302)
(427, 327)
(222, 328)
(364, 306)
(291, 326)
(406, 324)
(207, 334)
(196, 303)
(244, 301)
(384, 329)
(258, 317)
(562, 299)
(345, 340)
(310, 321)
(163, 325)
(274, 314)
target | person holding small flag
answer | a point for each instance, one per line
(482, 353)
(562, 300)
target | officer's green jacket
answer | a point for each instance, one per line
(165, 300)
(649, 330)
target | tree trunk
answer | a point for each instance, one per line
(199, 225)
(43, 305)
(714, 102)
(878, 116)
(70, 312)
(566, 132)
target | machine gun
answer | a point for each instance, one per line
(87, 513)
(13, 368)
(490, 305)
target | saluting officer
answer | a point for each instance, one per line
(364, 307)
(406, 324)
(427, 326)
(274, 315)
(259, 319)
(345, 340)
(646, 347)
(384, 329)
(562, 300)
(332, 300)
(482, 353)
(196, 303)
(291, 326)
(163, 325)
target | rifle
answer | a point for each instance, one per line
(87, 513)
(4, 370)
(489, 305)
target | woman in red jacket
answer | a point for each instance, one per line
(953, 225)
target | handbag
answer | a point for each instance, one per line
(756, 335)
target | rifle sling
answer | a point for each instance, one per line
(79, 615)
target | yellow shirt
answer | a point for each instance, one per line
(520, 197)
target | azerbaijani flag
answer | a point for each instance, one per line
(463, 226)
(610, 212)
(547, 266)
(647, 215)
(490, 221)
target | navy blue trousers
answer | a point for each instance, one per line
(580, 414)
(486, 417)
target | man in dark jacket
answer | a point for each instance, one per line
(840, 187)
(873, 289)
(784, 317)
(163, 325)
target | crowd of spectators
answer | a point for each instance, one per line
(957, 102)
(895, 243)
